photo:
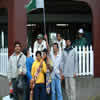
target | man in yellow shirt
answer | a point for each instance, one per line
(39, 89)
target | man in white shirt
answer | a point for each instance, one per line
(61, 42)
(16, 68)
(39, 44)
(56, 74)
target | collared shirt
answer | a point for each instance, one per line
(13, 70)
(69, 62)
(61, 44)
(80, 42)
(35, 66)
(56, 65)
(39, 47)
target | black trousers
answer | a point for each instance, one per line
(16, 94)
(40, 92)
(28, 92)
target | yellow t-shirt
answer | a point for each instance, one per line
(35, 66)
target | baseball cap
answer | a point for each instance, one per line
(81, 31)
(40, 36)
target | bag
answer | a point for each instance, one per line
(20, 83)
(20, 79)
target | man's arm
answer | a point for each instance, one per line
(44, 67)
(35, 47)
(9, 72)
(9, 69)
(44, 44)
(62, 66)
(32, 74)
(62, 62)
(76, 63)
(24, 65)
(33, 69)
(28, 70)
(64, 44)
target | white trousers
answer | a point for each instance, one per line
(70, 88)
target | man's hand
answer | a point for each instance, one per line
(31, 83)
(22, 73)
(74, 75)
(61, 74)
(62, 77)
(10, 83)
(49, 67)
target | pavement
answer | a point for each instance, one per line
(6, 98)
(3, 86)
(87, 88)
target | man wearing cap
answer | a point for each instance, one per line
(82, 40)
(39, 44)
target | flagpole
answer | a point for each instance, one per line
(44, 19)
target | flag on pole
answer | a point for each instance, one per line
(33, 5)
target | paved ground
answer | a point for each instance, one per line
(3, 86)
(87, 88)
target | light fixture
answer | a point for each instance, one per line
(31, 25)
(61, 24)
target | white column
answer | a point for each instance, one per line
(2, 38)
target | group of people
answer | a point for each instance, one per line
(44, 73)
(80, 40)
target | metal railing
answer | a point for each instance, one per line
(85, 56)
(3, 61)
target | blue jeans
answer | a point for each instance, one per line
(40, 92)
(56, 89)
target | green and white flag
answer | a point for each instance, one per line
(34, 4)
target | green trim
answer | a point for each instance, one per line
(30, 6)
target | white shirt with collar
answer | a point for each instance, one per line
(13, 70)
(39, 47)
(61, 45)
(56, 64)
